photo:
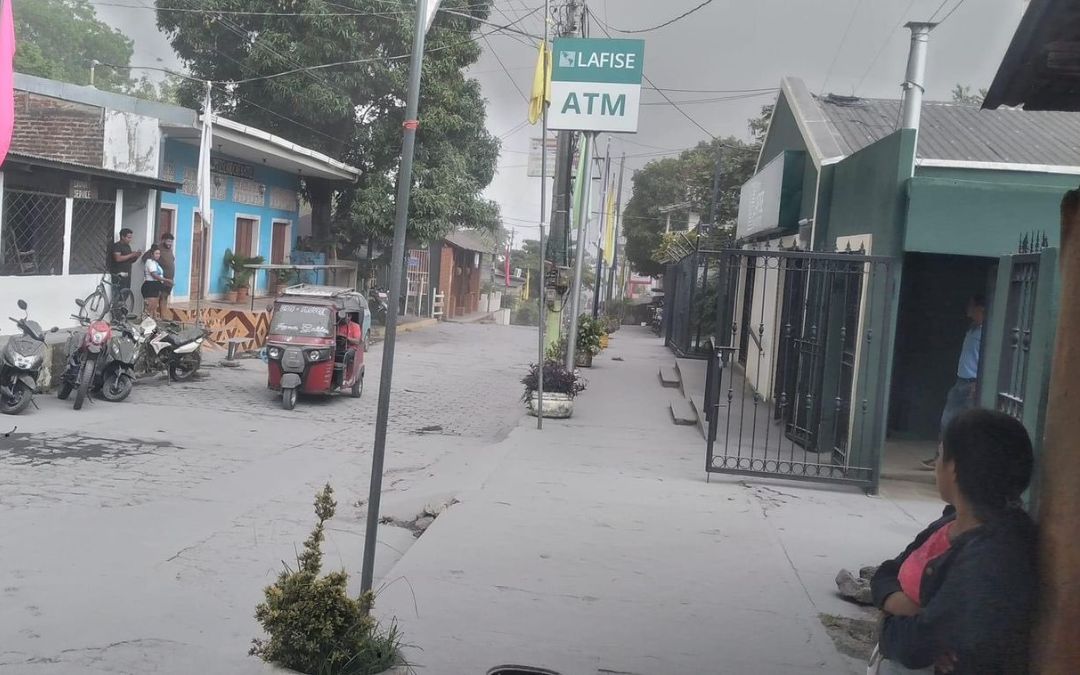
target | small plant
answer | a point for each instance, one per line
(556, 351)
(312, 624)
(557, 380)
(590, 331)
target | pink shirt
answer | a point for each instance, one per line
(911, 571)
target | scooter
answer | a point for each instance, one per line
(160, 347)
(20, 363)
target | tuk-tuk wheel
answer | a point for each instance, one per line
(288, 398)
(358, 386)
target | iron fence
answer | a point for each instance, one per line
(796, 385)
(33, 234)
(690, 287)
(92, 223)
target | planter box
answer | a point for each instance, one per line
(583, 360)
(556, 406)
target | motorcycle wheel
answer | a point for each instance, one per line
(288, 398)
(86, 378)
(116, 389)
(358, 387)
(15, 404)
(65, 391)
(185, 368)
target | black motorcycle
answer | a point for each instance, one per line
(101, 358)
(20, 364)
(378, 304)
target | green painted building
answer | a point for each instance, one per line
(970, 206)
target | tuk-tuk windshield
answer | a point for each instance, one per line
(302, 320)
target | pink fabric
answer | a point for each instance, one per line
(911, 571)
(7, 77)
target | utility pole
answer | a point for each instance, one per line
(618, 222)
(397, 256)
(559, 230)
(603, 229)
(581, 220)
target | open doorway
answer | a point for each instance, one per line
(930, 327)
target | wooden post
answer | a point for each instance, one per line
(1057, 644)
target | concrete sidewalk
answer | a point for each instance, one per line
(597, 546)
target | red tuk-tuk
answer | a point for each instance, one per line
(316, 342)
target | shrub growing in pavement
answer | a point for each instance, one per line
(557, 379)
(312, 624)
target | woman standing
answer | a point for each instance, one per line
(960, 598)
(154, 280)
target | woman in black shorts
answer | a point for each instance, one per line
(154, 280)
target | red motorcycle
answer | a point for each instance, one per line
(85, 349)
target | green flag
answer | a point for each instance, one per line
(580, 188)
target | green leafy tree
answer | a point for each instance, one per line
(59, 39)
(963, 94)
(688, 177)
(352, 111)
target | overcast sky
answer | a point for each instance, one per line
(727, 45)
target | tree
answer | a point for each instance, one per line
(59, 39)
(352, 111)
(962, 94)
(688, 178)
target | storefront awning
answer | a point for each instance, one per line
(30, 162)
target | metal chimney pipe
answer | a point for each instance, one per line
(916, 70)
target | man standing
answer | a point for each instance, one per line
(120, 259)
(962, 394)
(168, 265)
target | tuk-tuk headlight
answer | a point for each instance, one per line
(318, 354)
(274, 352)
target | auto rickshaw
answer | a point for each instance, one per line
(316, 342)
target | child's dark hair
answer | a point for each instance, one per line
(993, 456)
(150, 252)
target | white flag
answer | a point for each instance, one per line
(205, 180)
(431, 7)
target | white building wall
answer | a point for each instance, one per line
(132, 143)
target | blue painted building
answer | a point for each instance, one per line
(255, 205)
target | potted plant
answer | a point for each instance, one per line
(588, 341)
(560, 387)
(230, 290)
(241, 275)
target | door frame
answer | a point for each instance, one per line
(256, 232)
(208, 230)
(286, 249)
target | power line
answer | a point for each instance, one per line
(943, 3)
(712, 91)
(840, 45)
(951, 12)
(651, 28)
(495, 53)
(884, 43)
(719, 99)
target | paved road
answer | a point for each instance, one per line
(137, 537)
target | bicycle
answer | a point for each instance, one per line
(102, 301)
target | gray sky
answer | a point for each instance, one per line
(729, 44)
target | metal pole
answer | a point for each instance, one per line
(397, 256)
(618, 222)
(916, 70)
(603, 228)
(541, 358)
(579, 255)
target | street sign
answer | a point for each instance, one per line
(596, 84)
(535, 157)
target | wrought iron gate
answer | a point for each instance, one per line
(1019, 334)
(796, 387)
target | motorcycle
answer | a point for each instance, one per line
(161, 347)
(86, 355)
(379, 304)
(20, 362)
(658, 318)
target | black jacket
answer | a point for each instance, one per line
(977, 599)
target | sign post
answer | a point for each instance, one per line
(596, 84)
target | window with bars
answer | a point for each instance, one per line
(33, 234)
(92, 224)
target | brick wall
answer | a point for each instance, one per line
(57, 129)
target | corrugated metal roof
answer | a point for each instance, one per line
(472, 240)
(959, 132)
